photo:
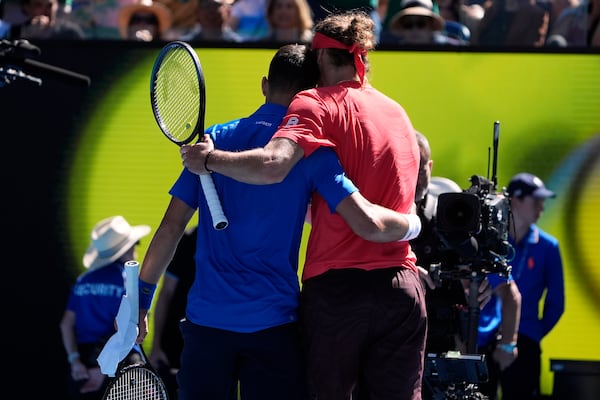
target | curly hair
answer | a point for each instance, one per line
(350, 27)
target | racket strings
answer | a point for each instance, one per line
(137, 383)
(176, 95)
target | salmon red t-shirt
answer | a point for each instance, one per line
(375, 141)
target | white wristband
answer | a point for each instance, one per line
(414, 227)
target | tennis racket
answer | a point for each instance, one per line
(136, 381)
(178, 98)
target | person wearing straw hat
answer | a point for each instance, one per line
(88, 320)
(145, 21)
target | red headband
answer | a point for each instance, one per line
(321, 41)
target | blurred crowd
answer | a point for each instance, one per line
(489, 23)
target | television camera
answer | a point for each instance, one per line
(474, 225)
(470, 228)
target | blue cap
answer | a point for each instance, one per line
(526, 184)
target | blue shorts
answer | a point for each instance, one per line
(267, 364)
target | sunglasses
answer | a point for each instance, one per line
(414, 22)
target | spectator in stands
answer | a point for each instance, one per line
(514, 23)
(290, 21)
(416, 24)
(212, 22)
(391, 8)
(42, 22)
(4, 26)
(322, 8)
(594, 24)
(99, 19)
(555, 8)
(458, 10)
(460, 18)
(145, 21)
(249, 19)
(183, 13)
(579, 25)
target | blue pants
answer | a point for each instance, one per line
(521, 380)
(267, 364)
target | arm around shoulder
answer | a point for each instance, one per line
(376, 223)
(262, 166)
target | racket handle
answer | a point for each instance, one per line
(132, 268)
(214, 204)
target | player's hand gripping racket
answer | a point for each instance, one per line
(178, 98)
(136, 381)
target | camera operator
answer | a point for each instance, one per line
(446, 299)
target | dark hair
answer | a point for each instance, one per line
(293, 68)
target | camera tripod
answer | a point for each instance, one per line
(452, 375)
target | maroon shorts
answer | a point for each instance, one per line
(366, 330)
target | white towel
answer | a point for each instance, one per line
(121, 342)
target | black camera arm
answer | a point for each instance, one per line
(16, 62)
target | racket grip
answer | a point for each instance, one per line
(214, 204)
(132, 269)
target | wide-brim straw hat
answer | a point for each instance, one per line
(111, 238)
(162, 12)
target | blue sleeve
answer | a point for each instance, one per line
(495, 279)
(554, 303)
(329, 177)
